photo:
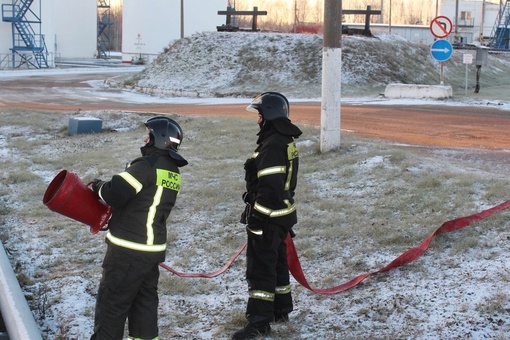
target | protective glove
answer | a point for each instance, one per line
(96, 185)
(256, 225)
(248, 198)
(246, 213)
(257, 220)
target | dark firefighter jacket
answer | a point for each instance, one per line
(142, 197)
(271, 175)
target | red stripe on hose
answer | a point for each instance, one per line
(407, 257)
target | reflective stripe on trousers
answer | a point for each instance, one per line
(261, 295)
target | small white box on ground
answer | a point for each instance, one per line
(84, 125)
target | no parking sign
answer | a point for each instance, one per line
(441, 27)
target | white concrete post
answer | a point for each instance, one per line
(331, 96)
(331, 76)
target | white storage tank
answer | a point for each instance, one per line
(69, 28)
(148, 27)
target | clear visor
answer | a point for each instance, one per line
(147, 137)
(254, 104)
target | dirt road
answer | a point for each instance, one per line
(431, 125)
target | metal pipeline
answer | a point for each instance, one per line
(18, 317)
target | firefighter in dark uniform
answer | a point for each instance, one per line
(142, 197)
(271, 176)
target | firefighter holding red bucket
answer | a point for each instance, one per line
(135, 205)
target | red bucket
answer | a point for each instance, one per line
(69, 196)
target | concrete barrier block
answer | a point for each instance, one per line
(418, 91)
(84, 125)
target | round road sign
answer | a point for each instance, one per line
(441, 27)
(441, 50)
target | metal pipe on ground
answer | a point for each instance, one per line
(18, 317)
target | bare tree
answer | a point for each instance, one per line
(302, 11)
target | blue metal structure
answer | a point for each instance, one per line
(104, 22)
(28, 45)
(500, 35)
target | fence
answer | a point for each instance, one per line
(6, 61)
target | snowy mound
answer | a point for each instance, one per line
(240, 64)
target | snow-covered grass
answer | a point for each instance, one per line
(359, 208)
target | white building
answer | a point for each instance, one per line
(415, 33)
(69, 27)
(148, 27)
(475, 20)
(475, 24)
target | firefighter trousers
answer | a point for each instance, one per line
(128, 290)
(267, 273)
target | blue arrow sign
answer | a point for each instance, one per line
(441, 50)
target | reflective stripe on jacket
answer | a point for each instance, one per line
(271, 177)
(142, 197)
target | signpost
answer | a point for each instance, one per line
(441, 49)
(467, 58)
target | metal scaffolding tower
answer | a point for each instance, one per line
(27, 45)
(104, 23)
(500, 35)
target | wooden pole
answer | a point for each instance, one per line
(331, 76)
(254, 20)
(381, 18)
(389, 21)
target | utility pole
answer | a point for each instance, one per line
(182, 19)
(381, 17)
(389, 20)
(331, 76)
(480, 36)
(456, 32)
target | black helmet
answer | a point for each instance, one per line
(164, 133)
(271, 105)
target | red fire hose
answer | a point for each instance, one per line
(406, 258)
(206, 275)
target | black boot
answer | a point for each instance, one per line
(281, 317)
(252, 330)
